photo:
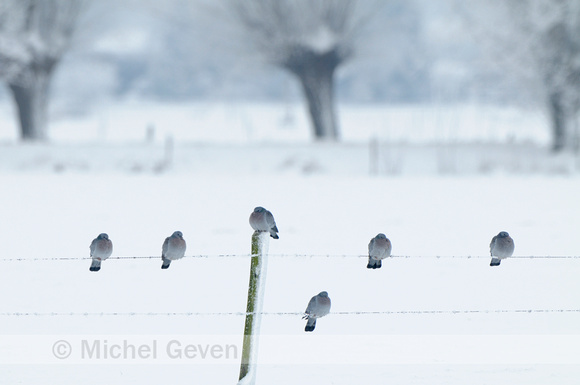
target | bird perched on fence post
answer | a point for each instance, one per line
(501, 247)
(319, 306)
(263, 220)
(173, 248)
(379, 249)
(101, 249)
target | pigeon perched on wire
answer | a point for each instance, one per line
(501, 247)
(173, 249)
(263, 220)
(319, 306)
(101, 249)
(379, 249)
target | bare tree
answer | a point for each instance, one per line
(34, 35)
(537, 42)
(558, 55)
(310, 39)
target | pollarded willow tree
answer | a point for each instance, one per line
(551, 29)
(34, 35)
(308, 38)
(537, 42)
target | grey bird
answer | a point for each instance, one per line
(173, 248)
(319, 306)
(379, 249)
(501, 247)
(101, 249)
(263, 220)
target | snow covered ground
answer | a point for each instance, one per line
(243, 123)
(57, 198)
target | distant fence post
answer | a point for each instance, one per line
(576, 142)
(374, 156)
(168, 157)
(150, 133)
(254, 306)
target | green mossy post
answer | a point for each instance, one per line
(254, 305)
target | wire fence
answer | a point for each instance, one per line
(341, 313)
(241, 256)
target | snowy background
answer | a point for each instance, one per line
(55, 215)
(431, 154)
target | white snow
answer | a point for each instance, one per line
(243, 123)
(57, 198)
(321, 40)
(128, 40)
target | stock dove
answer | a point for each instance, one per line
(319, 306)
(379, 249)
(173, 249)
(501, 247)
(101, 249)
(263, 220)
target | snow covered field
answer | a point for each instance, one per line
(210, 138)
(58, 198)
(243, 123)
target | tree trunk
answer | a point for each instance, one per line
(31, 97)
(319, 92)
(558, 116)
(316, 74)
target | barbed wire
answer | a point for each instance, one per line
(207, 256)
(211, 314)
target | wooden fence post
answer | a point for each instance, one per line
(260, 240)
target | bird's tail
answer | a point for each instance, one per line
(95, 265)
(374, 263)
(274, 233)
(310, 325)
(495, 261)
(166, 263)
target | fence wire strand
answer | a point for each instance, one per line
(241, 256)
(213, 314)
(210, 314)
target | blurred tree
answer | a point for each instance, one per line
(538, 42)
(34, 35)
(376, 73)
(310, 39)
